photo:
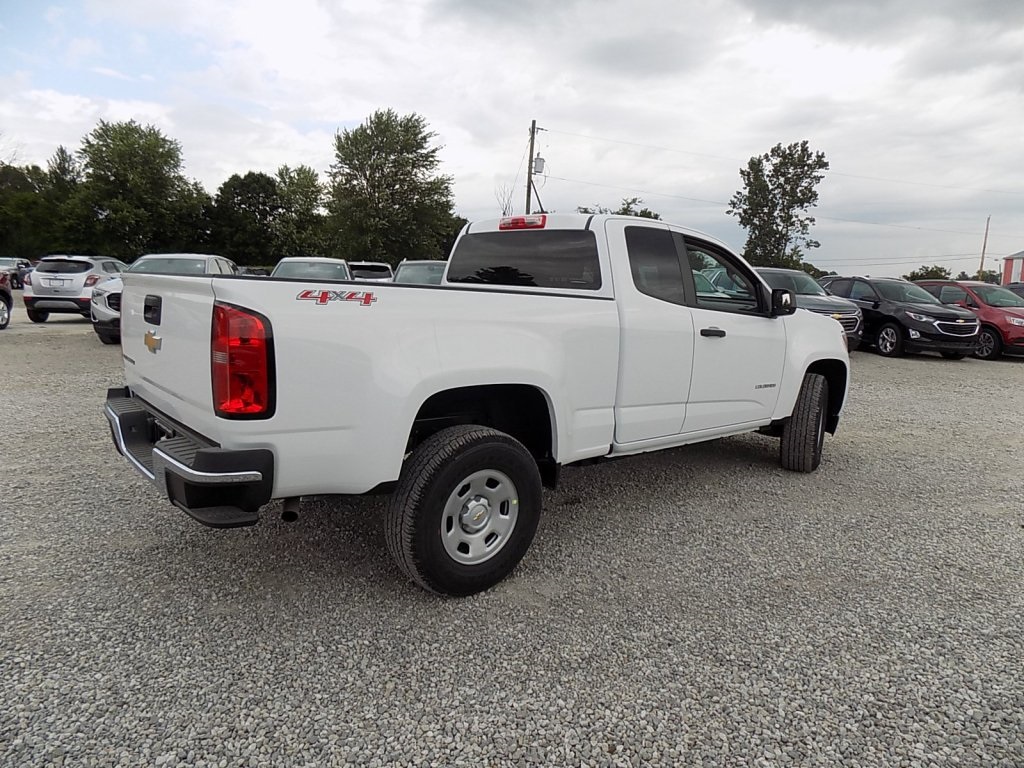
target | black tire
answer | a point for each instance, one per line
(803, 436)
(36, 316)
(5, 314)
(106, 338)
(990, 344)
(431, 487)
(889, 341)
(954, 355)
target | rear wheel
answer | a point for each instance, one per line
(803, 437)
(36, 316)
(465, 510)
(5, 314)
(990, 346)
(890, 340)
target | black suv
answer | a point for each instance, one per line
(902, 317)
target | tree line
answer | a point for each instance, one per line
(123, 193)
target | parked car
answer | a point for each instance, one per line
(16, 268)
(63, 284)
(105, 307)
(1017, 288)
(6, 300)
(812, 297)
(423, 272)
(371, 271)
(1000, 311)
(902, 317)
(312, 268)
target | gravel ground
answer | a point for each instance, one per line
(693, 607)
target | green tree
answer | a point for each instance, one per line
(387, 201)
(631, 206)
(929, 273)
(778, 189)
(813, 271)
(131, 198)
(963, 276)
(299, 227)
(244, 218)
(989, 276)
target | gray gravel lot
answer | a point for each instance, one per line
(693, 607)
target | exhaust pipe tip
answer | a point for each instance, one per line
(290, 513)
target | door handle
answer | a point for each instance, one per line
(717, 332)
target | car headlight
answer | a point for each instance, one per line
(1016, 320)
(98, 293)
(920, 318)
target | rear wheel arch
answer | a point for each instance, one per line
(522, 411)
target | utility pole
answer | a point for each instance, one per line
(984, 242)
(529, 166)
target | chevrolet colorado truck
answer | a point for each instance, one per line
(552, 339)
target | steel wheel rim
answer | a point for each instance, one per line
(887, 340)
(479, 517)
(986, 343)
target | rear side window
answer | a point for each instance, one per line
(654, 264)
(65, 266)
(555, 258)
(951, 294)
(839, 287)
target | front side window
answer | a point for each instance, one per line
(542, 258)
(734, 290)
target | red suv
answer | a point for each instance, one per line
(1000, 312)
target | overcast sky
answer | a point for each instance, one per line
(917, 104)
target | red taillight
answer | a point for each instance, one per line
(91, 280)
(533, 221)
(241, 363)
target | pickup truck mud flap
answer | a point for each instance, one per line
(218, 487)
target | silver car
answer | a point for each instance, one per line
(371, 271)
(105, 307)
(63, 284)
(420, 272)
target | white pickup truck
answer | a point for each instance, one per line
(552, 340)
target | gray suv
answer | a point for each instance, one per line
(64, 284)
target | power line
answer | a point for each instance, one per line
(816, 216)
(832, 172)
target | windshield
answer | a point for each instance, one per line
(799, 283)
(312, 270)
(995, 296)
(420, 273)
(894, 291)
(170, 266)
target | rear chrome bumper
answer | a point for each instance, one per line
(218, 487)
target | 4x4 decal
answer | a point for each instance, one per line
(322, 297)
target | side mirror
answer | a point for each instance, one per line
(783, 302)
(876, 304)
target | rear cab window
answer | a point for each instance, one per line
(560, 259)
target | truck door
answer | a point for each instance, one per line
(655, 334)
(739, 351)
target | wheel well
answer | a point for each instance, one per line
(518, 410)
(835, 374)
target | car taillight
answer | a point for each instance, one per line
(533, 221)
(241, 363)
(91, 280)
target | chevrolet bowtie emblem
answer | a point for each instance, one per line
(959, 320)
(153, 342)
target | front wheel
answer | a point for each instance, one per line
(36, 316)
(990, 346)
(465, 510)
(803, 436)
(890, 340)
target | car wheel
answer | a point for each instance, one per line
(990, 346)
(954, 355)
(890, 340)
(5, 314)
(465, 510)
(803, 436)
(107, 338)
(36, 316)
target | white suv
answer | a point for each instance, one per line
(64, 284)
